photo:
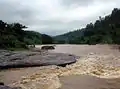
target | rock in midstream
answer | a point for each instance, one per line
(10, 59)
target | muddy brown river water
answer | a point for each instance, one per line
(97, 68)
(89, 82)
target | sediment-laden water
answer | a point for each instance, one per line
(98, 63)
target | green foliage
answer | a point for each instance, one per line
(13, 36)
(68, 37)
(32, 37)
(46, 39)
(106, 30)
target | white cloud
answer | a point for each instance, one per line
(55, 16)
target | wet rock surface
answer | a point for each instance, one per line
(47, 47)
(9, 59)
(7, 87)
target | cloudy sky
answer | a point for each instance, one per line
(55, 16)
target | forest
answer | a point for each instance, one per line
(14, 36)
(105, 30)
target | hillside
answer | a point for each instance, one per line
(67, 36)
(13, 36)
(104, 30)
(32, 37)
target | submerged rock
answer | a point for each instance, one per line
(47, 47)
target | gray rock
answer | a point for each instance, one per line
(7, 87)
(30, 59)
(47, 47)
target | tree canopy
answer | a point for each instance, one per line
(105, 30)
(46, 39)
(13, 36)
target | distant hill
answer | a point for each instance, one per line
(65, 38)
(105, 30)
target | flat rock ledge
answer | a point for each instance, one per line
(9, 59)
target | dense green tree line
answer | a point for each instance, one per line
(13, 36)
(105, 30)
(46, 39)
(32, 37)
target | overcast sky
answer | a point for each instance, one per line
(55, 16)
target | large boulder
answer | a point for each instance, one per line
(30, 59)
(47, 47)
